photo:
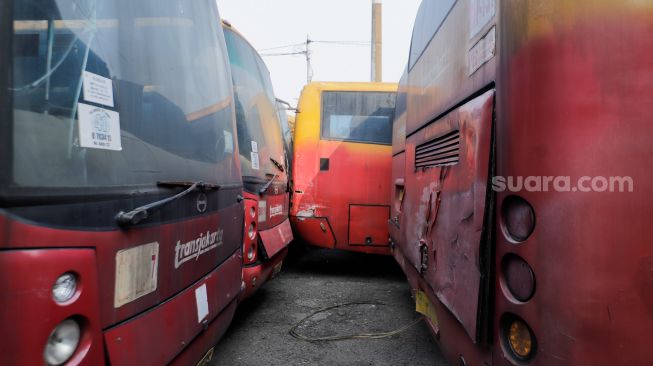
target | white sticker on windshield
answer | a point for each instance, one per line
(254, 157)
(254, 146)
(99, 128)
(228, 142)
(98, 89)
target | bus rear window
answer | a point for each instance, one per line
(358, 116)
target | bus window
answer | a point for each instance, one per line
(155, 114)
(258, 134)
(430, 17)
(358, 116)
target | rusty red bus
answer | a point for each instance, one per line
(120, 218)
(263, 162)
(547, 91)
(341, 165)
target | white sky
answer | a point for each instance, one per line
(268, 24)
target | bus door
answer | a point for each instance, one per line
(449, 201)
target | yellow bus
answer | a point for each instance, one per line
(342, 165)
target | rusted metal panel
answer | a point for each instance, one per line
(446, 205)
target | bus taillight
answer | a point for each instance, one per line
(518, 337)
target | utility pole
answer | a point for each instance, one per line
(309, 71)
(377, 41)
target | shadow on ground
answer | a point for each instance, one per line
(313, 279)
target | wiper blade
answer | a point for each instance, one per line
(200, 185)
(141, 213)
(277, 164)
(267, 185)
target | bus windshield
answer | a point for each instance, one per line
(118, 93)
(259, 132)
(358, 116)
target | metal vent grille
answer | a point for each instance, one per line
(441, 151)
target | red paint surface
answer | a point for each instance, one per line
(29, 313)
(359, 174)
(277, 238)
(263, 272)
(274, 234)
(363, 224)
(28, 279)
(573, 97)
(157, 336)
(317, 229)
(446, 209)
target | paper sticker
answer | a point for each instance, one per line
(482, 52)
(98, 89)
(202, 301)
(262, 211)
(136, 273)
(228, 142)
(254, 146)
(99, 128)
(254, 157)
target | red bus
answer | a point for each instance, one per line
(556, 270)
(398, 171)
(341, 165)
(263, 164)
(120, 187)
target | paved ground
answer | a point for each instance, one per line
(311, 280)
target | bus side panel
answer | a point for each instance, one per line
(446, 72)
(575, 101)
(397, 221)
(446, 206)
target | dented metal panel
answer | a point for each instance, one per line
(446, 205)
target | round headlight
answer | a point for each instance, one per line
(251, 231)
(62, 342)
(250, 252)
(252, 212)
(64, 287)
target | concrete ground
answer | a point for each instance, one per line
(313, 279)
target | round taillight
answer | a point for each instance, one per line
(518, 277)
(518, 218)
(518, 337)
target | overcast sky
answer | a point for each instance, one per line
(270, 24)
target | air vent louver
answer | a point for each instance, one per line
(441, 151)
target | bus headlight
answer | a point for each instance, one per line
(64, 287)
(250, 252)
(62, 343)
(251, 231)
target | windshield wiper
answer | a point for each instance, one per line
(267, 185)
(141, 213)
(277, 164)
